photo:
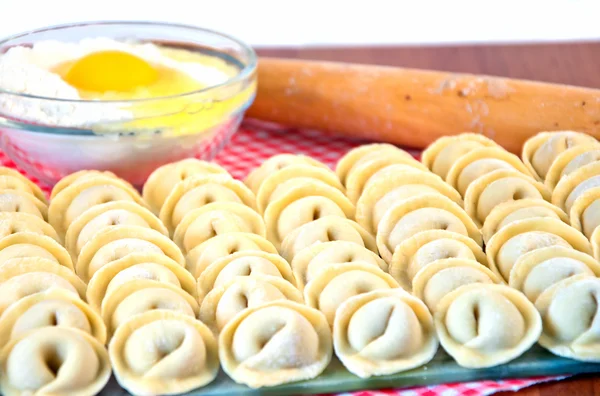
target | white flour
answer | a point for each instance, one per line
(26, 70)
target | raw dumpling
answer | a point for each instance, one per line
(110, 214)
(358, 156)
(54, 361)
(113, 243)
(309, 261)
(499, 186)
(585, 212)
(540, 151)
(280, 181)
(203, 255)
(11, 179)
(275, 343)
(217, 218)
(305, 202)
(523, 236)
(441, 277)
(383, 332)
(484, 325)
(570, 160)
(245, 263)
(197, 191)
(383, 193)
(52, 307)
(222, 304)
(510, 211)
(22, 277)
(595, 240)
(22, 202)
(141, 295)
(162, 181)
(13, 222)
(569, 312)
(85, 193)
(480, 161)
(162, 353)
(338, 282)
(77, 176)
(370, 169)
(422, 213)
(443, 153)
(277, 162)
(576, 184)
(325, 229)
(426, 247)
(137, 266)
(29, 244)
(538, 270)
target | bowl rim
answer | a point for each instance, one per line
(246, 72)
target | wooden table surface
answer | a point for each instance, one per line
(573, 63)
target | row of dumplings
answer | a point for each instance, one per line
(260, 307)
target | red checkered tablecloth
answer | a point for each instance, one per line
(254, 143)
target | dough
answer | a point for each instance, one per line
(116, 242)
(245, 263)
(199, 258)
(280, 181)
(310, 260)
(277, 162)
(570, 160)
(216, 218)
(133, 266)
(338, 282)
(426, 247)
(14, 222)
(99, 217)
(11, 179)
(52, 307)
(383, 332)
(305, 202)
(510, 211)
(485, 325)
(585, 212)
(275, 343)
(223, 303)
(540, 151)
(422, 213)
(571, 187)
(197, 191)
(499, 186)
(383, 193)
(163, 352)
(22, 202)
(325, 229)
(480, 161)
(569, 311)
(85, 193)
(538, 270)
(54, 361)
(29, 244)
(445, 151)
(523, 236)
(162, 181)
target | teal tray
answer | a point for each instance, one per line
(442, 369)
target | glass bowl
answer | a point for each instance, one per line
(157, 131)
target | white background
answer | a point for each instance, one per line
(267, 23)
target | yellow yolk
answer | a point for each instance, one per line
(114, 71)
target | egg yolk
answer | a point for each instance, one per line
(110, 71)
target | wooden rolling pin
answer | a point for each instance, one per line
(414, 107)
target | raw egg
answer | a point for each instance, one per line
(119, 75)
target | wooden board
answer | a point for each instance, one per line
(442, 369)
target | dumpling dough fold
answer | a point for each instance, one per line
(484, 325)
(163, 352)
(275, 343)
(54, 361)
(383, 332)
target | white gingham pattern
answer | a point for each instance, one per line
(254, 143)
